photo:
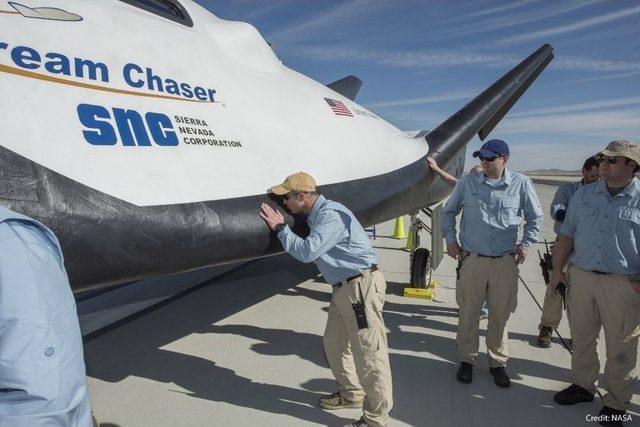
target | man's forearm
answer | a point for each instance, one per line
(561, 251)
(446, 177)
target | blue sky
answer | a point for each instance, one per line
(422, 60)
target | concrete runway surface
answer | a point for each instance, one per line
(245, 348)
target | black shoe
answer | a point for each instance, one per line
(572, 395)
(465, 373)
(500, 377)
(612, 417)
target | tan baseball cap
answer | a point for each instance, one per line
(300, 181)
(622, 148)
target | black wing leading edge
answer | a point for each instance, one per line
(485, 111)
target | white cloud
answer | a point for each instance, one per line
(494, 10)
(415, 119)
(449, 96)
(621, 124)
(606, 103)
(328, 21)
(587, 64)
(509, 20)
(437, 59)
(565, 28)
(266, 9)
(406, 59)
(607, 77)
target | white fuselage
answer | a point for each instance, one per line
(153, 112)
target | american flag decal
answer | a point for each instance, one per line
(339, 109)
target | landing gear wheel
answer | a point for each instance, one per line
(419, 268)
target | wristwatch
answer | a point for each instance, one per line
(280, 227)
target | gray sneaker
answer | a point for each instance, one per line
(358, 423)
(544, 339)
(336, 401)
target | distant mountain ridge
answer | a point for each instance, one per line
(553, 172)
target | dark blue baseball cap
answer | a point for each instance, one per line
(493, 148)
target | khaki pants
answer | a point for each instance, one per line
(499, 278)
(359, 358)
(551, 307)
(607, 301)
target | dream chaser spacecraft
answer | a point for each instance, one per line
(151, 155)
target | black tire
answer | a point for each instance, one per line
(419, 268)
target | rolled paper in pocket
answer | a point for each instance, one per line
(631, 327)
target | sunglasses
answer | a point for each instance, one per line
(290, 195)
(610, 159)
(488, 159)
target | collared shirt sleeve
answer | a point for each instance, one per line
(561, 200)
(327, 230)
(451, 209)
(41, 365)
(571, 220)
(532, 214)
(22, 320)
(22, 333)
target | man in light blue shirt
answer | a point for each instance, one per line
(492, 203)
(601, 239)
(552, 305)
(42, 371)
(560, 203)
(355, 338)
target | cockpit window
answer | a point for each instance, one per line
(170, 9)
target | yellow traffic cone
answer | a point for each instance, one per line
(410, 238)
(398, 233)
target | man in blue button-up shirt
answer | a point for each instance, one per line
(552, 305)
(42, 372)
(601, 239)
(355, 338)
(492, 203)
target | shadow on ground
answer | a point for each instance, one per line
(422, 353)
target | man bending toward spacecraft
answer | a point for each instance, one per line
(355, 339)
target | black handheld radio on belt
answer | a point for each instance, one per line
(546, 262)
(546, 265)
(459, 267)
(358, 309)
(562, 290)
